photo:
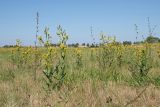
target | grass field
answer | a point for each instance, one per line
(79, 53)
(107, 76)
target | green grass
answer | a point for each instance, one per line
(84, 86)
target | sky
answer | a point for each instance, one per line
(113, 17)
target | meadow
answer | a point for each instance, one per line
(110, 75)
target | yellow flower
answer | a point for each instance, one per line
(93, 49)
(50, 49)
(62, 46)
(78, 51)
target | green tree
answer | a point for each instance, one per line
(152, 39)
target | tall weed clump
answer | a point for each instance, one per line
(106, 57)
(16, 56)
(55, 74)
(78, 58)
(140, 65)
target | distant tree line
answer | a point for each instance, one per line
(149, 39)
(9, 46)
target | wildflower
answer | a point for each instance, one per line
(62, 46)
(78, 51)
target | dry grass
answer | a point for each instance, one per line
(24, 92)
(19, 89)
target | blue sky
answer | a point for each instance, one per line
(114, 17)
